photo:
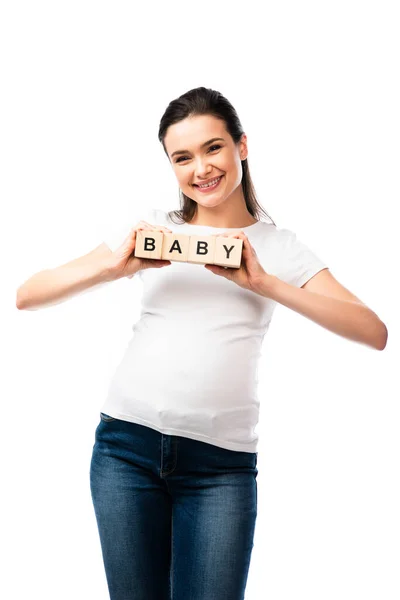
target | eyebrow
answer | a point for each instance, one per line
(202, 146)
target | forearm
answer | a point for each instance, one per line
(53, 286)
(351, 320)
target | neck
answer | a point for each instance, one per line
(221, 217)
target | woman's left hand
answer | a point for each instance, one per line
(250, 275)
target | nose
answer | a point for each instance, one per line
(202, 168)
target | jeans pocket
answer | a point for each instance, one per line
(105, 417)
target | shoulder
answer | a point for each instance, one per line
(158, 216)
(270, 234)
(281, 237)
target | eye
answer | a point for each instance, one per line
(181, 158)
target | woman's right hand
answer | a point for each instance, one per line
(123, 261)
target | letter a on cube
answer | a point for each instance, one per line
(175, 247)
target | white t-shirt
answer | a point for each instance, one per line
(191, 366)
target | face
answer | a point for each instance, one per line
(195, 160)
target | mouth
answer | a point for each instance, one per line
(209, 188)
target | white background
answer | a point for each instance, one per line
(316, 86)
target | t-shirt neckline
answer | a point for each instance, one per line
(211, 227)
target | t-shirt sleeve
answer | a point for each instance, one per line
(298, 263)
(115, 235)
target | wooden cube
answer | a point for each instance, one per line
(201, 249)
(149, 244)
(197, 249)
(175, 247)
(228, 252)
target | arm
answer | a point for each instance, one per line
(345, 317)
(53, 286)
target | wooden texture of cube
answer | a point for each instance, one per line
(201, 249)
(228, 252)
(148, 244)
(197, 249)
(175, 247)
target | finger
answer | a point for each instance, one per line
(216, 269)
(226, 235)
(155, 227)
(238, 234)
(148, 227)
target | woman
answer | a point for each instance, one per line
(174, 464)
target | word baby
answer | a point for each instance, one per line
(199, 249)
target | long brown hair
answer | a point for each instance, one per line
(205, 101)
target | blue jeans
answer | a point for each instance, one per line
(176, 516)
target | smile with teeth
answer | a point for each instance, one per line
(211, 183)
